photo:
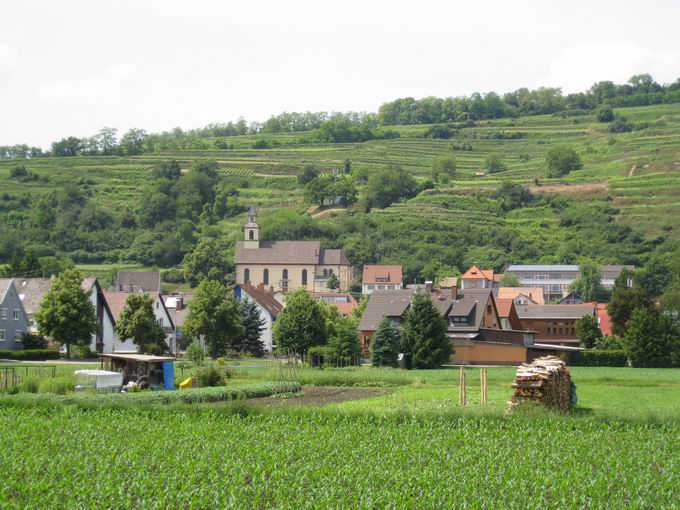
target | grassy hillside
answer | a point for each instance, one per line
(627, 180)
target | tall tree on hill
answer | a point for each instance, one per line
(209, 260)
(66, 313)
(301, 324)
(624, 300)
(138, 322)
(214, 316)
(424, 340)
(386, 343)
(253, 326)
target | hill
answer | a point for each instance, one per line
(620, 207)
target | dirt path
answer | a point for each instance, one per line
(319, 396)
(570, 188)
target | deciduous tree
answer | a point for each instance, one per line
(588, 331)
(138, 323)
(301, 324)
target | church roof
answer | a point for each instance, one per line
(279, 252)
(251, 211)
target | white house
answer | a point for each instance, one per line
(116, 302)
(269, 308)
(381, 277)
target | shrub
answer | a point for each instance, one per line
(319, 355)
(620, 125)
(196, 355)
(598, 358)
(172, 276)
(210, 376)
(494, 164)
(57, 385)
(440, 131)
(605, 113)
(561, 160)
(30, 355)
(30, 385)
(29, 341)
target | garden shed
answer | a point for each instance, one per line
(158, 372)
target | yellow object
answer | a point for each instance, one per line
(187, 383)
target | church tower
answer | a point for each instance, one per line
(252, 230)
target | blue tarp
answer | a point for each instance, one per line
(169, 375)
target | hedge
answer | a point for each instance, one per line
(146, 398)
(598, 358)
(29, 354)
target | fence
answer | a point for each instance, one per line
(11, 376)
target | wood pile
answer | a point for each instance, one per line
(546, 380)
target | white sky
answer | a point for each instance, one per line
(71, 67)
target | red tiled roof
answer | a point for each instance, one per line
(474, 273)
(605, 321)
(343, 308)
(533, 293)
(382, 274)
(504, 306)
(264, 299)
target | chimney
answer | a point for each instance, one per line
(428, 286)
(260, 286)
(454, 292)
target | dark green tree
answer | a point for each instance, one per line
(344, 342)
(138, 323)
(301, 324)
(333, 282)
(253, 326)
(588, 331)
(214, 316)
(651, 338)
(307, 174)
(424, 341)
(386, 343)
(209, 260)
(509, 280)
(624, 300)
(605, 113)
(561, 160)
(66, 314)
(443, 166)
(388, 185)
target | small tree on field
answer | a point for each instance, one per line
(386, 342)
(561, 160)
(253, 326)
(424, 340)
(301, 324)
(138, 322)
(67, 314)
(588, 331)
(443, 166)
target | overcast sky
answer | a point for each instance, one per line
(71, 67)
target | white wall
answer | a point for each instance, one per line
(366, 288)
(267, 335)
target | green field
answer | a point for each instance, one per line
(412, 447)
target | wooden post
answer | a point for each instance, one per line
(483, 383)
(462, 396)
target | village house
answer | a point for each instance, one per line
(556, 279)
(13, 317)
(474, 325)
(177, 307)
(507, 312)
(117, 301)
(268, 306)
(32, 292)
(475, 278)
(381, 277)
(288, 265)
(138, 281)
(554, 324)
(343, 301)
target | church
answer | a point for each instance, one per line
(288, 265)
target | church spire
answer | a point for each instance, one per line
(252, 230)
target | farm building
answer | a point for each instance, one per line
(554, 324)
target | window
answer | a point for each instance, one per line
(304, 277)
(285, 274)
(160, 322)
(488, 308)
(246, 275)
(157, 305)
(17, 335)
(15, 315)
(3, 314)
(265, 277)
(2, 335)
(325, 273)
(251, 235)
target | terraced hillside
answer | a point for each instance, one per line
(629, 179)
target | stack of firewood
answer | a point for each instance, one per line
(546, 380)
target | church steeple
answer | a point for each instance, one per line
(252, 230)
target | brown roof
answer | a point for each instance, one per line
(116, 301)
(555, 311)
(382, 274)
(462, 307)
(31, 292)
(385, 303)
(345, 308)
(264, 299)
(279, 252)
(477, 297)
(139, 281)
(533, 293)
(333, 257)
(474, 273)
